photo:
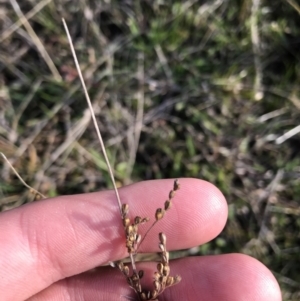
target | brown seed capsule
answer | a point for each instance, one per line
(129, 229)
(154, 294)
(176, 185)
(171, 194)
(141, 274)
(170, 281)
(120, 266)
(159, 214)
(112, 264)
(129, 281)
(125, 209)
(135, 277)
(156, 276)
(137, 220)
(126, 222)
(161, 247)
(160, 267)
(131, 236)
(166, 270)
(165, 257)
(130, 249)
(145, 219)
(177, 279)
(162, 238)
(168, 205)
(126, 270)
(163, 280)
(135, 228)
(157, 285)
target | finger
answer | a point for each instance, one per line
(232, 277)
(64, 236)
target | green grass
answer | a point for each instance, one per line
(191, 66)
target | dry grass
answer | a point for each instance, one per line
(173, 87)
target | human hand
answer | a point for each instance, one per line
(48, 247)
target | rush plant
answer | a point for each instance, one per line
(162, 278)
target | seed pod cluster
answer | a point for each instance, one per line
(131, 229)
(162, 278)
(160, 212)
(134, 279)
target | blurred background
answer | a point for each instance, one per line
(204, 89)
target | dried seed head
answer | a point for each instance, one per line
(171, 194)
(160, 267)
(135, 228)
(126, 270)
(177, 279)
(120, 266)
(125, 209)
(112, 264)
(135, 277)
(141, 274)
(162, 238)
(157, 285)
(154, 294)
(162, 279)
(145, 220)
(129, 229)
(168, 205)
(156, 276)
(137, 220)
(130, 249)
(126, 222)
(165, 257)
(131, 237)
(166, 270)
(161, 247)
(159, 214)
(176, 185)
(170, 281)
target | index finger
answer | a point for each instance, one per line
(64, 236)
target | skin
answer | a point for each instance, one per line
(50, 249)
